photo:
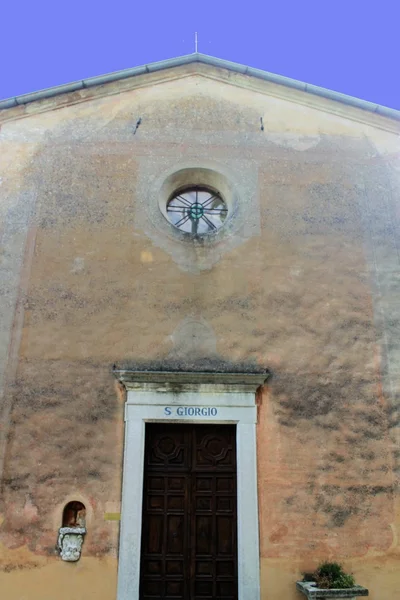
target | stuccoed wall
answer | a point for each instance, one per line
(305, 281)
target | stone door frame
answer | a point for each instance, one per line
(232, 396)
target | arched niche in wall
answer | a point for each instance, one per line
(74, 514)
(72, 531)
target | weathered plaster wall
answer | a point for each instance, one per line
(305, 283)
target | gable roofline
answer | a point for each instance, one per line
(197, 57)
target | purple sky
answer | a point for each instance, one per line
(350, 46)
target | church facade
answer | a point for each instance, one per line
(200, 336)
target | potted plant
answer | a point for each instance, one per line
(330, 581)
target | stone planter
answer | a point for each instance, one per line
(309, 589)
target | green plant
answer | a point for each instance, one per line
(330, 575)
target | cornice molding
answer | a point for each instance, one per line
(221, 70)
(184, 381)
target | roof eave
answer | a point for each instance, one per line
(208, 60)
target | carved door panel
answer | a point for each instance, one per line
(189, 531)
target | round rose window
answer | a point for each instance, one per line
(197, 210)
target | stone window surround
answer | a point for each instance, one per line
(197, 176)
(159, 177)
(234, 396)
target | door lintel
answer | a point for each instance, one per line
(190, 381)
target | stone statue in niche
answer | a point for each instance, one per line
(70, 540)
(71, 534)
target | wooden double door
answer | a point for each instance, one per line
(189, 530)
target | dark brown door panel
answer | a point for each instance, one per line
(189, 533)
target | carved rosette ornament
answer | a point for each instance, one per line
(69, 544)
